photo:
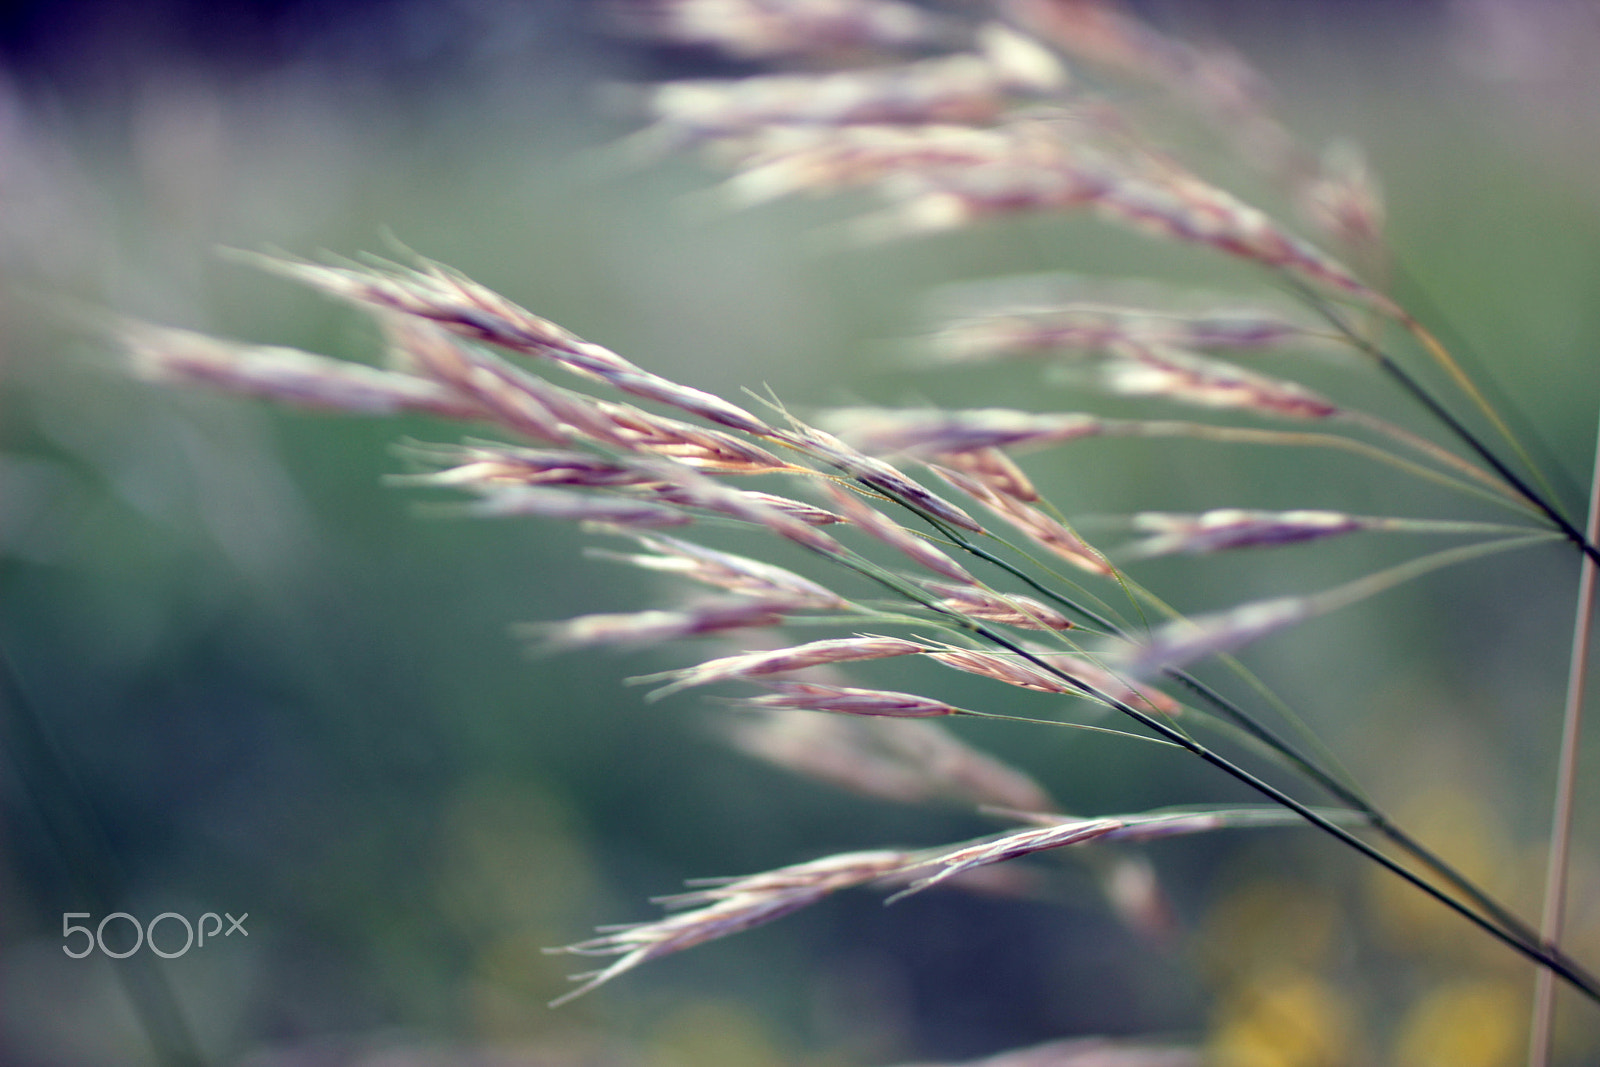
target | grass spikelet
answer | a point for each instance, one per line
(1342, 199)
(694, 401)
(735, 573)
(840, 751)
(654, 627)
(996, 471)
(1054, 831)
(1061, 316)
(1225, 528)
(780, 161)
(876, 524)
(568, 506)
(487, 464)
(845, 700)
(689, 488)
(695, 446)
(1105, 33)
(754, 29)
(903, 760)
(463, 307)
(727, 908)
(1135, 893)
(933, 432)
(1155, 370)
(798, 510)
(1184, 208)
(452, 302)
(1214, 81)
(877, 474)
(1008, 608)
(1011, 846)
(782, 660)
(1038, 527)
(509, 396)
(964, 88)
(1104, 684)
(285, 375)
(1002, 669)
(1032, 170)
(1229, 528)
(1180, 643)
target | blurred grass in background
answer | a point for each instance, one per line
(282, 690)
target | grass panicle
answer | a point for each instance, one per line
(950, 123)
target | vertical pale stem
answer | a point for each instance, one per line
(1555, 887)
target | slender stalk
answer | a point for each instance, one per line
(1441, 355)
(968, 714)
(1585, 544)
(1555, 884)
(1442, 456)
(1421, 305)
(1412, 386)
(1501, 494)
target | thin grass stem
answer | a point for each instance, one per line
(1504, 497)
(967, 713)
(1555, 884)
(1441, 355)
(1421, 304)
(1419, 393)
(1421, 444)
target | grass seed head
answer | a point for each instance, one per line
(451, 301)
(654, 627)
(736, 573)
(1105, 683)
(1157, 370)
(876, 524)
(695, 446)
(782, 660)
(1040, 528)
(904, 760)
(577, 507)
(879, 475)
(964, 87)
(1229, 528)
(286, 375)
(755, 29)
(487, 465)
(1022, 318)
(928, 432)
(733, 906)
(996, 471)
(845, 700)
(1008, 608)
(1183, 642)
(1011, 846)
(1011, 671)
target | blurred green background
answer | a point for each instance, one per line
(249, 678)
